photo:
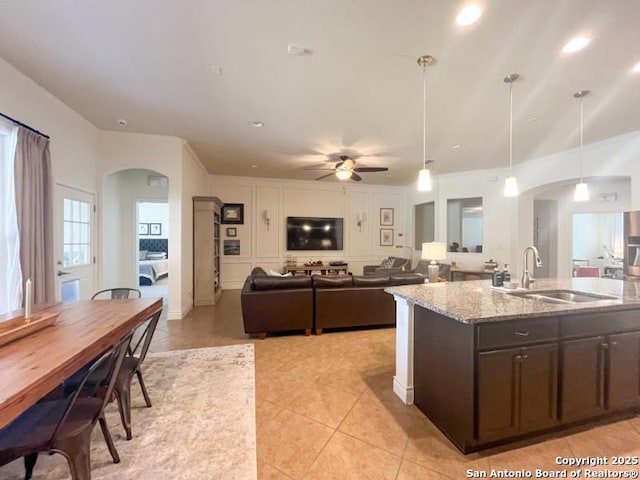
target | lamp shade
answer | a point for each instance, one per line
(424, 180)
(434, 251)
(582, 192)
(510, 187)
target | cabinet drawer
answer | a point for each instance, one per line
(592, 324)
(517, 332)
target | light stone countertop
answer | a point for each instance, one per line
(476, 302)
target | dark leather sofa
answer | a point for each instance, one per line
(273, 304)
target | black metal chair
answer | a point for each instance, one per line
(131, 366)
(117, 293)
(64, 426)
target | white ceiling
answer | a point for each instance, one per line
(360, 91)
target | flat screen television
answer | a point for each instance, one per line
(313, 233)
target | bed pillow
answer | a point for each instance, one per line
(156, 255)
(142, 255)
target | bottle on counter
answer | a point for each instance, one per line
(496, 278)
(506, 275)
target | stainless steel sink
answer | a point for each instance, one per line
(563, 296)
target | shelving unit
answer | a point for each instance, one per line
(207, 284)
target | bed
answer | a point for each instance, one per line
(153, 263)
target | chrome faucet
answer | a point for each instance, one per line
(527, 279)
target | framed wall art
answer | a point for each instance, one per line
(155, 229)
(386, 237)
(233, 213)
(386, 216)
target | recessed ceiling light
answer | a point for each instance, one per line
(257, 124)
(469, 15)
(254, 166)
(575, 44)
(636, 68)
(297, 50)
(122, 122)
(455, 145)
(216, 70)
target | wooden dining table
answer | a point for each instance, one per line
(34, 365)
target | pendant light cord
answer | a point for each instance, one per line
(424, 116)
(581, 132)
(511, 128)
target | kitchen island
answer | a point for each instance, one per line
(491, 366)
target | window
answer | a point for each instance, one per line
(77, 231)
(10, 273)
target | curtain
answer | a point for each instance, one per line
(10, 272)
(34, 206)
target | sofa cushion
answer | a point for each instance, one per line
(371, 281)
(387, 263)
(406, 279)
(267, 282)
(399, 262)
(338, 281)
(258, 271)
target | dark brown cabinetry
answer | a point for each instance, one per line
(623, 388)
(583, 371)
(517, 391)
(492, 382)
(600, 374)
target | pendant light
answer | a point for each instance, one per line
(424, 176)
(510, 183)
(582, 191)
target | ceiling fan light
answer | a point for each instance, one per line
(582, 192)
(511, 187)
(343, 174)
(424, 180)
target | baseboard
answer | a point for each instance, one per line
(405, 393)
(180, 314)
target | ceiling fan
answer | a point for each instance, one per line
(345, 169)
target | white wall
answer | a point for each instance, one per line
(266, 246)
(120, 194)
(195, 182)
(74, 141)
(154, 212)
(508, 222)
(124, 151)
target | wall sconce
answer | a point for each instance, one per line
(360, 219)
(266, 218)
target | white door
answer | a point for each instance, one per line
(75, 245)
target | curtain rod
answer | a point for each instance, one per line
(23, 125)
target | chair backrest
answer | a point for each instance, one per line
(588, 272)
(104, 371)
(117, 293)
(143, 335)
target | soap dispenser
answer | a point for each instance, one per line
(496, 278)
(506, 276)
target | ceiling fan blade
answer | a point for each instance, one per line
(325, 176)
(355, 177)
(371, 169)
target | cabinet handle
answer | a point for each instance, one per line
(604, 346)
(524, 356)
(522, 334)
(613, 343)
(518, 357)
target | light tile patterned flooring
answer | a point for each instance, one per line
(325, 409)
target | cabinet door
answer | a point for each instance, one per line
(538, 387)
(624, 370)
(498, 385)
(582, 378)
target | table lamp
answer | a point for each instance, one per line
(434, 251)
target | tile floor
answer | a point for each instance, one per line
(325, 409)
